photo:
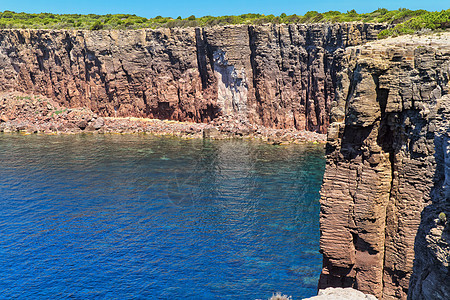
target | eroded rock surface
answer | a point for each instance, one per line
(431, 276)
(279, 76)
(341, 294)
(381, 165)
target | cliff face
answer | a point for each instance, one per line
(279, 76)
(431, 272)
(386, 143)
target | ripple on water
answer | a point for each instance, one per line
(135, 216)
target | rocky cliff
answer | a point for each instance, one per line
(386, 104)
(388, 159)
(280, 76)
(431, 272)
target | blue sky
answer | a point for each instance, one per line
(174, 8)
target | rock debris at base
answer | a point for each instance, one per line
(37, 114)
(341, 294)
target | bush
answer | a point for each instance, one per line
(419, 20)
(97, 25)
(442, 218)
(405, 20)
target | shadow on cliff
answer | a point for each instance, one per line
(431, 270)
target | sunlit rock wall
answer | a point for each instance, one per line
(280, 76)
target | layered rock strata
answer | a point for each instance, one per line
(431, 272)
(279, 76)
(385, 151)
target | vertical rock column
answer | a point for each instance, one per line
(356, 190)
(431, 272)
(380, 162)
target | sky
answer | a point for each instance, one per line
(174, 8)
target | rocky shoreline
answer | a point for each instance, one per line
(37, 114)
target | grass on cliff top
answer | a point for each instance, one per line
(404, 20)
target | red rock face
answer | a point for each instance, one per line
(280, 76)
(295, 71)
(114, 73)
(381, 168)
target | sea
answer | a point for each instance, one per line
(139, 216)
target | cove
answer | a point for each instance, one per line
(138, 217)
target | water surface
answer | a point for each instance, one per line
(143, 217)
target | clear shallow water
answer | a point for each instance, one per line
(140, 217)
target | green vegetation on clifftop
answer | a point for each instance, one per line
(405, 20)
(424, 21)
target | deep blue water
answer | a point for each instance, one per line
(142, 217)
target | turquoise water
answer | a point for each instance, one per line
(143, 217)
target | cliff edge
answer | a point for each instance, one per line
(387, 159)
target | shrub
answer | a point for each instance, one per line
(418, 20)
(442, 218)
(97, 25)
(405, 20)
